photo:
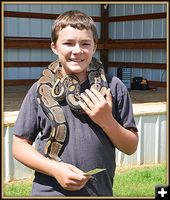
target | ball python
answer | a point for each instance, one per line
(53, 87)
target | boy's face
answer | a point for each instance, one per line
(75, 49)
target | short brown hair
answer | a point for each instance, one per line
(75, 19)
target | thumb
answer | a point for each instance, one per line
(76, 170)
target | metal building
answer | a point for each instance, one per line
(131, 35)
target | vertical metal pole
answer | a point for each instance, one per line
(104, 35)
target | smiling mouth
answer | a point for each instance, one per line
(76, 60)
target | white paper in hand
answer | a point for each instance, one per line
(94, 171)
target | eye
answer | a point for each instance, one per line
(86, 44)
(67, 43)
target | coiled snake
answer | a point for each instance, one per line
(52, 88)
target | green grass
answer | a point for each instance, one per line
(140, 181)
(18, 188)
(128, 182)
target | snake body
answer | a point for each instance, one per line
(52, 88)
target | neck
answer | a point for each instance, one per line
(82, 78)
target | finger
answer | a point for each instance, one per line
(87, 100)
(89, 176)
(75, 187)
(76, 170)
(79, 173)
(76, 179)
(109, 97)
(97, 94)
(85, 108)
(92, 96)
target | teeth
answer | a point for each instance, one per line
(75, 60)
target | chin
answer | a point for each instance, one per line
(77, 68)
(77, 71)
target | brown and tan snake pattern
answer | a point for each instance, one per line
(52, 88)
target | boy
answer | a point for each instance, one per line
(75, 118)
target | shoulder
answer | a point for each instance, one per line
(33, 88)
(114, 80)
(117, 86)
(32, 92)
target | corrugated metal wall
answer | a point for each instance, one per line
(22, 27)
(141, 29)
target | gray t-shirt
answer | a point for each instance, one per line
(87, 146)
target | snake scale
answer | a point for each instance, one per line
(52, 88)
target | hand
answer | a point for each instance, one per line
(96, 106)
(70, 177)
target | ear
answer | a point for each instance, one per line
(95, 47)
(53, 48)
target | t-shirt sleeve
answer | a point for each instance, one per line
(26, 124)
(122, 104)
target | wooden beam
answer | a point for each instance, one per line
(138, 65)
(27, 64)
(30, 15)
(104, 36)
(27, 43)
(136, 44)
(95, 18)
(137, 17)
(38, 15)
(20, 82)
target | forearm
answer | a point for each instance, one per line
(29, 156)
(69, 177)
(122, 138)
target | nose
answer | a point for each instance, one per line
(77, 49)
